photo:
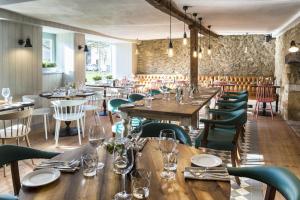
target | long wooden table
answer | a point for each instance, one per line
(106, 184)
(186, 113)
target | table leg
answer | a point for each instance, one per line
(264, 109)
(277, 100)
(104, 113)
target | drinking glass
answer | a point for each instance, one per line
(135, 131)
(170, 164)
(148, 102)
(5, 93)
(96, 140)
(167, 145)
(140, 183)
(123, 160)
(89, 164)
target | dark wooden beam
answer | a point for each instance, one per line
(163, 5)
(193, 60)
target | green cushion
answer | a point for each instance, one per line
(153, 130)
(114, 104)
(8, 197)
(218, 138)
(136, 97)
(280, 178)
(10, 153)
(154, 92)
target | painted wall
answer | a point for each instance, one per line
(20, 68)
(228, 56)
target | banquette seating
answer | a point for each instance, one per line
(241, 82)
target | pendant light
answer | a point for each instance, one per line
(195, 52)
(200, 49)
(170, 47)
(184, 41)
(209, 46)
(246, 48)
(293, 48)
(136, 47)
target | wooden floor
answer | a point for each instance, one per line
(277, 143)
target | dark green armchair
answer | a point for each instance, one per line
(233, 99)
(136, 97)
(277, 179)
(153, 130)
(11, 154)
(114, 104)
(154, 92)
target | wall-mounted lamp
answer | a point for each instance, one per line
(27, 42)
(293, 48)
(85, 48)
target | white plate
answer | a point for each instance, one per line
(206, 160)
(40, 177)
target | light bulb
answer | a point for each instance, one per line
(246, 50)
(184, 41)
(293, 49)
(170, 52)
(195, 54)
(200, 55)
(209, 51)
(136, 52)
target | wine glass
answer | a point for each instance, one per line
(167, 145)
(96, 140)
(5, 93)
(136, 129)
(123, 160)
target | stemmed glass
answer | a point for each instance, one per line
(96, 140)
(135, 131)
(5, 93)
(167, 145)
(123, 160)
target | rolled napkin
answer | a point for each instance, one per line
(63, 166)
(201, 173)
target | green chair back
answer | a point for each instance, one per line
(11, 154)
(114, 104)
(153, 92)
(153, 130)
(136, 97)
(232, 106)
(276, 178)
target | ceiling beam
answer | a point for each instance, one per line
(163, 5)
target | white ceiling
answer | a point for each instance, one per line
(132, 19)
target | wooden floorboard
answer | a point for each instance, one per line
(277, 143)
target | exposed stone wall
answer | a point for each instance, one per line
(227, 58)
(288, 76)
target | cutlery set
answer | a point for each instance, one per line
(63, 166)
(201, 173)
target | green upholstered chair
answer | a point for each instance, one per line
(136, 97)
(234, 99)
(223, 138)
(11, 154)
(165, 88)
(114, 104)
(153, 130)
(277, 179)
(232, 106)
(8, 197)
(236, 93)
(153, 92)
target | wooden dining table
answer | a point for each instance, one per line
(185, 113)
(15, 106)
(73, 186)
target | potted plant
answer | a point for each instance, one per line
(49, 67)
(97, 78)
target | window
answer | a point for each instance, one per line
(98, 59)
(48, 50)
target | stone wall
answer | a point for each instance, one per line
(227, 58)
(288, 76)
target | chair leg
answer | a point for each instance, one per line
(4, 166)
(45, 126)
(257, 110)
(233, 162)
(57, 127)
(48, 124)
(270, 193)
(78, 129)
(83, 127)
(28, 144)
(271, 110)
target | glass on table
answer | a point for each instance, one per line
(140, 183)
(89, 164)
(148, 102)
(170, 164)
(167, 145)
(96, 140)
(5, 94)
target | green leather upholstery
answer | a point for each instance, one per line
(280, 178)
(232, 106)
(234, 99)
(236, 93)
(136, 97)
(114, 104)
(222, 138)
(165, 88)
(153, 92)
(153, 130)
(10, 153)
(8, 197)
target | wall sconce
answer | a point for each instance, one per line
(293, 48)
(27, 42)
(85, 48)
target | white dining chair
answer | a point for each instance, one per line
(93, 105)
(68, 110)
(39, 110)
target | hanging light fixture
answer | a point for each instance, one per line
(195, 52)
(136, 47)
(293, 48)
(200, 49)
(209, 46)
(184, 41)
(170, 47)
(246, 48)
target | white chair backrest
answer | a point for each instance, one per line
(38, 103)
(15, 124)
(68, 107)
